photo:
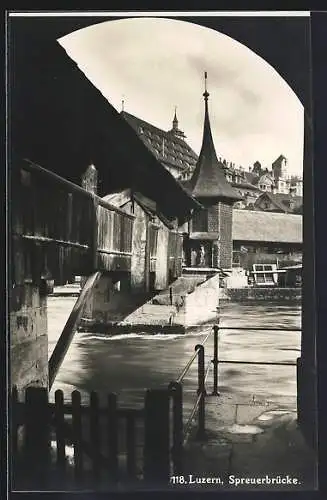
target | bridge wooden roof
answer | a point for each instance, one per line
(267, 227)
(62, 122)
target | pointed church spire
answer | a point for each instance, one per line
(206, 93)
(208, 180)
(175, 120)
(175, 130)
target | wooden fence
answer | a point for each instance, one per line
(70, 445)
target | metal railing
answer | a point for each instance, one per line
(182, 431)
(216, 361)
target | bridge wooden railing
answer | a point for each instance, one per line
(60, 229)
(114, 237)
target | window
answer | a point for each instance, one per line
(236, 258)
(264, 274)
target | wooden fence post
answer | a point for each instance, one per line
(14, 422)
(112, 426)
(37, 436)
(131, 446)
(59, 418)
(157, 436)
(95, 435)
(77, 435)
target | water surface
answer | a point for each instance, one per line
(128, 364)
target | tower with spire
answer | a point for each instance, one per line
(210, 230)
(175, 130)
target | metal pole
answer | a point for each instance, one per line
(201, 391)
(215, 360)
(177, 421)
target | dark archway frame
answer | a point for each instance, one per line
(284, 43)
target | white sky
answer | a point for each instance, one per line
(155, 64)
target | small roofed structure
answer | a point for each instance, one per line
(266, 237)
(208, 180)
(209, 240)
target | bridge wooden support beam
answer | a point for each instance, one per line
(70, 327)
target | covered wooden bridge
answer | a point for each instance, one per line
(62, 127)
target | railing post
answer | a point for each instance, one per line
(215, 360)
(201, 390)
(177, 421)
(156, 443)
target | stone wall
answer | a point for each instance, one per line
(263, 294)
(213, 221)
(200, 306)
(109, 301)
(28, 337)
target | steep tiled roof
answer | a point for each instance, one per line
(170, 150)
(251, 177)
(252, 225)
(245, 185)
(282, 201)
(208, 179)
(279, 160)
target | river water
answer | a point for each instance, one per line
(128, 364)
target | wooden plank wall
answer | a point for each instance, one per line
(59, 229)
